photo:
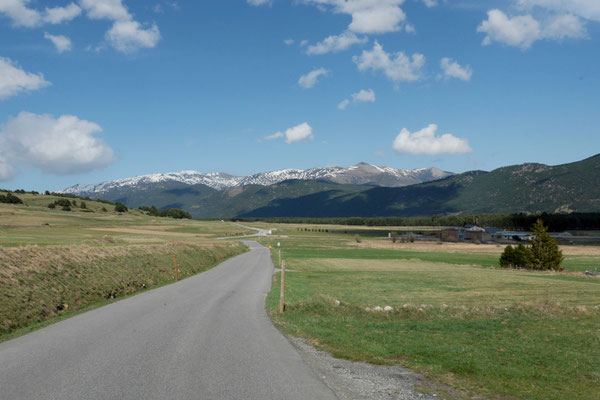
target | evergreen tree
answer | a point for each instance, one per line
(544, 250)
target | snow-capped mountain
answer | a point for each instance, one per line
(358, 174)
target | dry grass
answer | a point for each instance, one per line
(467, 247)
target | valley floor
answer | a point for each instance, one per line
(455, 315)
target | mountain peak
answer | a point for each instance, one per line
(359, 174)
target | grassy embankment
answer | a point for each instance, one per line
(55, 263)
(481, 329)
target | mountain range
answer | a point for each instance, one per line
(363, 190)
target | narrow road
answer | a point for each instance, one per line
(206, 337)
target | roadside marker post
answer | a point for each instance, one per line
(175, 265)
(282, 294)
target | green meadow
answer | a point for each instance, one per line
(456, 316)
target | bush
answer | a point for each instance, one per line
(51, 205)
(104, 209)
(542, 255)
(516, 257)
(119, 207)
(10, 199)
(357, 238)
(83, 205)
(66, 208)
(394, 236)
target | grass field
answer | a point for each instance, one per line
(457, 317)
(55, 263)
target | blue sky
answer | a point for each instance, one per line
(94, 90)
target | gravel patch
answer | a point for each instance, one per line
(352, 380)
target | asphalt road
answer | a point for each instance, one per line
(206, 337)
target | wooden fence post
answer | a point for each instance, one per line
(282, 294)
(176, 269)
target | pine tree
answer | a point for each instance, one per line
(544, 250)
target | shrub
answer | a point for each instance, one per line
(83, 205)
(51, 205)
(104, 209)
(394, 236)
(357, 238)
(120, 207)
(66, 208)
(10, 199)
(516, 257)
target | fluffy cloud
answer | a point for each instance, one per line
(126, 35)
(312, 78)
(523, 30)
(58, 15)
(519, 31)
(288, 42)
(452, 69)
(335, 43)
(368, 16)
(14, 80)
(430, 3)
(23, 16)
(298, 133)
(343, 104)
(106, 9)
(426, 142)
(588, 9)
(363, 96)
(64, 145)
(61, 42)
(397, 67)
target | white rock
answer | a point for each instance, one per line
(378, 309)
(367, 308)
(387, 308)
(337, 302)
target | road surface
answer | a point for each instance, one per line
(206, 337)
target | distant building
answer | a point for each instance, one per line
(515, 236)
(476, 233)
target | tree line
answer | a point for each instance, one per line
(518, 222)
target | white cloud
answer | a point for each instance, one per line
(364, 96)
(23, 16)
(452, 69)
(430, 3)
(61, 42)
(312, 78)
(588, 9)
(274, 136)
(259, 2)
(520, 31)
(397, 67)
(6, 170)
(129, 36)
(343, 104)
(523, 30)
(64, 145)
(126, 34)
(20, 14)
(288, 42)
(58, 15)
(335, 43)
(563, 27)
(368, 16)
(106, 9)
(14, 80)
(426, 142)
(299, 133)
